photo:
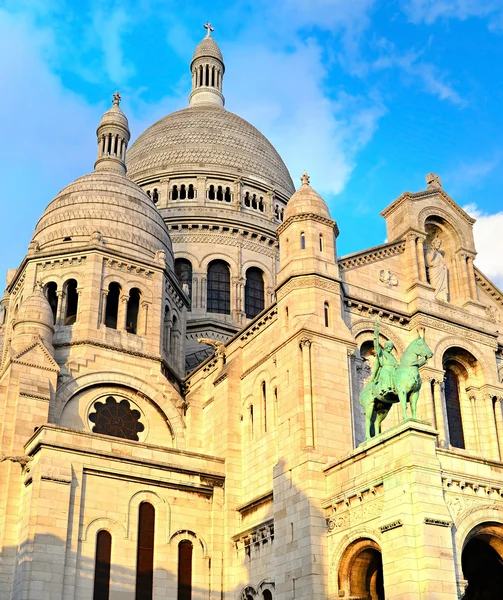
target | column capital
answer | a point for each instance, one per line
(305, 341)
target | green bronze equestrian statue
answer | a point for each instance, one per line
(393, 382)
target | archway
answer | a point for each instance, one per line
(482, 563)
(361, 571)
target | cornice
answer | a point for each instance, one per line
(371, 255)
(310, 217)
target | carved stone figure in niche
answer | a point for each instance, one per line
(438, 274)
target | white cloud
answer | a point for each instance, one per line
(428, 11)
(488, 242)
(431, 79)
(287, 100)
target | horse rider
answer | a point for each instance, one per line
(384, 367)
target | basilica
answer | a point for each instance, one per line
(199, 397)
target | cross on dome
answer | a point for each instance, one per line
(208, 28)
(116, 99)
(305, 178)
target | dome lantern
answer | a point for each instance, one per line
(113, 137)
(208, 70)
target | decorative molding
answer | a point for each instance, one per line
(358, 259)
(311, 217)
(254, 539)
(438, 522)
(457, 330)
(69, 261)
(488, 286)
(307, 281)
(366, 309)
(262, 244)
(255, 326)
(128, 267)
(354, 508)
(390, 526)
(258, 364)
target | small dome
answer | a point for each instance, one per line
(207, 47)
(104, 207)
(114, 116)
(306, 201)
(35, 309)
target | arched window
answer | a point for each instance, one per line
(220, 194)
(326, 314)
(321, 242)
(183, 192)
(184, 570)
(302, 241)
(174, 193)
(133, 309)
(267, 594)
(155, 196)
(183, 271)
(228, 196)
(149, 194)
(190, 194)
(251, 421)
(254, 292)
(254, 201)
(218, 298)
(173, 350)
(453, 408)
(167, 328)
(261, 204)
(264, 404)
(72, 302)
(247, 199)
(102, 565)
(112, 307)
(276, 212)
(145, 552)
(211, 193)
(51, 290)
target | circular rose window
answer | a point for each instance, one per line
(116, 418)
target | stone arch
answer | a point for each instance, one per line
(264, 585)
(263, 266)
(186, 534)
(482, 525)
(114, 527)
(363, 330)
(447, 217)
(359, 570)
(460, 342)
(338, 553)
(172, 416)
(248, 593)
(163, 514)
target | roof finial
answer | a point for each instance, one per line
(433, 181)
(305, 178)
(208, 28)
(116, 99)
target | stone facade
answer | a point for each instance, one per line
(256, 460)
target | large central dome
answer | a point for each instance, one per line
(206, 138)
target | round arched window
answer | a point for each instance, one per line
(116, 418)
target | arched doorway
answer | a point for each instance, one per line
(361, 571)
(482, 563)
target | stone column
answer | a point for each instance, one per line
(60, 318)
(471, 278)
(104, 294)
(237, 192)
(201, 191)
(143, 319)
(305, 346)
(473, 406)
(122, 312)
(79, 303)
(412, 253)
(438, 397)
(420, 259)
(498, 417)
(426, 404)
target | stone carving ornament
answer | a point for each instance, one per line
(437, 269)
(388, 277)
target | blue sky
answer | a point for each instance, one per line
(366, 95)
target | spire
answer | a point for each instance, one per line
(208, 70)
(305, 178)
(113, 137)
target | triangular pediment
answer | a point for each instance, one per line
(36, 355)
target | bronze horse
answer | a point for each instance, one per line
(406, 383)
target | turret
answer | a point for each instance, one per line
(34, 319)
(208, 70)
(307, 236)
(113, 137)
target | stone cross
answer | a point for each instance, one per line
(209, 29)
(116, 99)
(433, 181)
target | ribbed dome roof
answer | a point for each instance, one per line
(114, 116)
(108, 203)
(207, 139)
(208, 47)
(306, 201)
